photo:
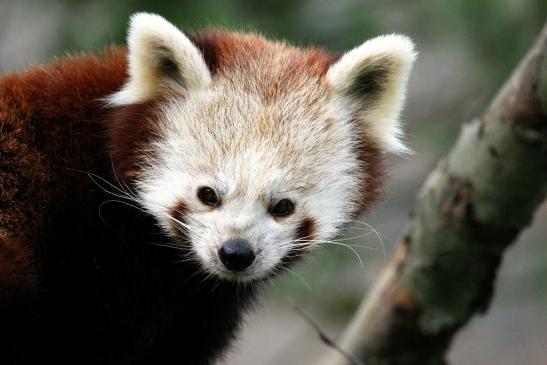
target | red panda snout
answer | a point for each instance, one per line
(236, 254)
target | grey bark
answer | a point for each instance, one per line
(469, 210)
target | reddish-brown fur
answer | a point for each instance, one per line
(135, 127)
(179, 212)
(50, 121)
(225, 51)
(305, 233)
(371, 174)
(306, 230)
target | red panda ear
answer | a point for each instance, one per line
(160, 57)
(371, 80)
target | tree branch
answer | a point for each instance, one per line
(471, 207)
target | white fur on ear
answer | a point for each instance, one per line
(159, 56)
(373, 78)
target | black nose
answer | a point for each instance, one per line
(236, 254)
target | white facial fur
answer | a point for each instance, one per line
(223, 138)
(220, 132)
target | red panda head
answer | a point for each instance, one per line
(252, 152)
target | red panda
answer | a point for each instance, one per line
(145, 193)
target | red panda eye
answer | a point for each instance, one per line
(208, 196)
(283, 208)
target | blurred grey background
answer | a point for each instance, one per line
(467, 48)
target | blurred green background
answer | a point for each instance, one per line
(467, 48)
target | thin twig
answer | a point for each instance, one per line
(325, 338)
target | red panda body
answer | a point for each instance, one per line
(81, 283)
(136, 197)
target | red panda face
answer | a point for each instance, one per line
(228, 166)
(257, 151)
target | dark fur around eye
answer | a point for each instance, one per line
(282, 208)
(208, 196)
